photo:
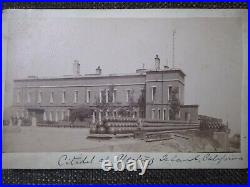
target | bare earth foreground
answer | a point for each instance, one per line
(42, 139)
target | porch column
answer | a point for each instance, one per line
(107, 95)
(62, 115)
(19, 122)
(56, 116)
(27, 115)
(50, 116)
(68, 114)
(33, 121)
(44, 116)
(93, 117)
(100, 116)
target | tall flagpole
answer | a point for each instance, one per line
(173, 49)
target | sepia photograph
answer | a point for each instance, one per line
(123, 83)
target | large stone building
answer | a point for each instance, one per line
(51, 99)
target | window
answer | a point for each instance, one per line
(115, 114)
(153, 92)
(142, 114)
(159, 113)
(114, 96)
(128, 95)
(153, 113)
(178, 92)
(63, 97)
(88, 96)
(169, 92)
(169, 118)
(51, 100)
(76, 96)
(171, 115)
(39, 97)
(65, 115)
(28, 97)
(102, 96)
(18, 96)
(187, 116)
(128, 113)
(164, 114)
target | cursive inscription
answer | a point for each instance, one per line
(126, 158)
(85, 159)
(216, 158)
(68, 160)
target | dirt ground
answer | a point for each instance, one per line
(44, 139)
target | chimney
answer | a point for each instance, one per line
(166, 67)
(157, 63)
(76, 68)
(98, 70)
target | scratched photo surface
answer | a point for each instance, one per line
(87, 84)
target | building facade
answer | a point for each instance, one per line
(51, 99)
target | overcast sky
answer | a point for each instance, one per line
(208, 50)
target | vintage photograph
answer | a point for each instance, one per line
(76, 83)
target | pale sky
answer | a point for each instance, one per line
(208, 50)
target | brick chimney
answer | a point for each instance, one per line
(76, 68)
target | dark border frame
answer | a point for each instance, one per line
(163, 176)
(95, 176)
(127, 5)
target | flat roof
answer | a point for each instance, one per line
(89, 76)
(169, 71)
(189, 106)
